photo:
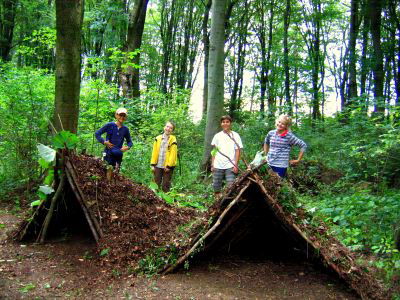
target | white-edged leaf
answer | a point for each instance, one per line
(45, 189)
(47, 153)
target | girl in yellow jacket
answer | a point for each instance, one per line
(164, 157)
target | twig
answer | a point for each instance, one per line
(59, 118)
(55, 130)
(43, 232)
(97, 203)
(230, 160)
(211, 230)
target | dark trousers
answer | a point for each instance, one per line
(280, 171)
(114, 156)
(163, 179)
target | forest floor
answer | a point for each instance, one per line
(65, 269)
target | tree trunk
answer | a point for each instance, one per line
(364, 58)
(286, 22)
(183, 65)
(167, 37)
(394, 20)
(216, 77)
(206, 45)
(206, 49)
(265, 53)
(239, 63)
(7, 23)
(316, 55)
(375, 12)
(69, 17)
(397, 71)
(271, 99)
(352, 49)
(137, 17)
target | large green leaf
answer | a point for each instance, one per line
(47, 153)
(44, 164)
(65, 139)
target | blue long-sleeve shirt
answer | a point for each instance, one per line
(114, 135)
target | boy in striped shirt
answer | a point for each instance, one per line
(279, 142)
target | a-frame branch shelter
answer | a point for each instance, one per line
(251, 214)
(72, 209)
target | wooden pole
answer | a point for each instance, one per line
(211, 230)
(43, 232)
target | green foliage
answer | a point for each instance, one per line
(27, 288)
(363, 148)
(179, 199)
(363, 221)
(104, 252)
(287, 197)
(362, 218)
(156, 259)
(65, 139)
(123, 59)
(38, 48)
(26, 104)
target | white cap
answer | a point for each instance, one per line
(121, 110)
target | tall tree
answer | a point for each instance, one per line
(137, 17)
(167, 32)
(215, 104)
(312, 38)
(395, 46)
(265, 35)
(314, 50)
(286, 22)
(206, 49)
(238, 60)
(69, 17)
(364, 52)
(7, 23)
(375, 17)
(354, 25)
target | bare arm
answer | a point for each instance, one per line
(266, 149)
(237, 157)
(296, 161)
(212, 160)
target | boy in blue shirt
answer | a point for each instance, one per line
(114, 142)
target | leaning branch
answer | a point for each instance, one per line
(210, 231)
(43, 232)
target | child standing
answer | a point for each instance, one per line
(116, 134)
(225, 162)
(164, 157)
(278, 143)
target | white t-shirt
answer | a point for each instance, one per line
(227, 146)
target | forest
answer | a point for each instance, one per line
(66, 66)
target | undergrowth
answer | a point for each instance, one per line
(363, 221)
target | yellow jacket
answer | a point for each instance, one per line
(170, 156)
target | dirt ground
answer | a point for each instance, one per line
(65, 269)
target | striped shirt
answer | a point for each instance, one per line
(279, 148)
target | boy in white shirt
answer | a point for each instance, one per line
(225, 162)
